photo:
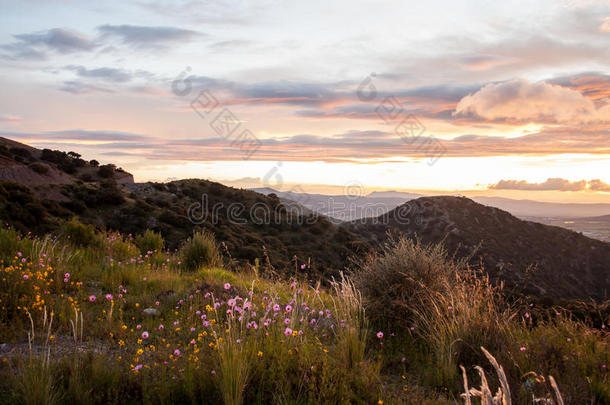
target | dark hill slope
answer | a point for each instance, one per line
(567, 264)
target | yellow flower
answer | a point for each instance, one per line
(259, 354)
(380, 402)
(121, 343)
(137, 305)
(139, 352)
(124, 327)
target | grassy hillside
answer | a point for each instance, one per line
(537, 259)
(103, 318)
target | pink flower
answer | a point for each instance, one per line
(25, 276)
(287, 331)
(276, 307)
(213, 372)
(138, 367)
(287, 321)
(527, 314)
(138, 326)
(161, 327)
(523, 348)
(231, 302)
(157, 303)
(176, 352)
(92, 298)
(67, 275)
(288, 308)
(109, 297)
(144, 335)
(379, 335)
(193, 329)
(227, 286)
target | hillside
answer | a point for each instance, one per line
(107, 198)
(561, 263)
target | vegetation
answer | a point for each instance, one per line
(200, 251)
(116, 319)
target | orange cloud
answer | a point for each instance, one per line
(605, 27)
(519, 100)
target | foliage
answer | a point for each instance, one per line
(200, 250)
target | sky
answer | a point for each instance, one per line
(504, 98)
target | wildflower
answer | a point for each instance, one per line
(288, 332)
(109, 297)
(138, 326)
(276, 307)
(287, 321)
(25, 276)
(288, 308)
(213, 372)
(67, 275)
(160, 327)
(138, 367)
(92, 298)
(157, 303)
(231, 302)
(523, 348)
(379, 335)
(227, 286)
(527, 314)
(144, 335)
(192, 329)
(259, 354)
(176, 352)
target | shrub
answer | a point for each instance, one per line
(149, 241)
(39, 168)
(79, 234)
(394, 281)
(200, 250)
(106, 171)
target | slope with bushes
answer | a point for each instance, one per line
(539, 260)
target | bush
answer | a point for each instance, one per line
(394, 281)
(149, 241)
(79, 234)
(200, 250)
(106, 171)
(39, 168)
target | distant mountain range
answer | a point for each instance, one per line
(281, 232)
(349, 208)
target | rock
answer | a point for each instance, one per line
(151, 312)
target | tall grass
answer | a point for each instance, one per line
(353, 331)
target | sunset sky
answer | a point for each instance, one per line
(504, 98)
